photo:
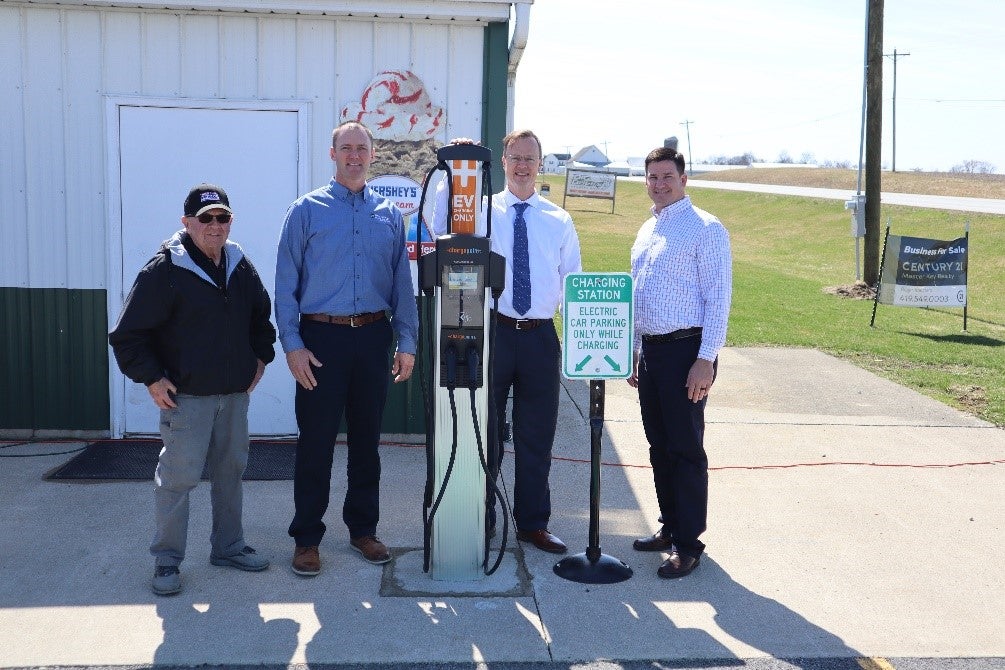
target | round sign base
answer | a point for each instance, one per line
(601, 569)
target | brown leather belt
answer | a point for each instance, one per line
(681, 334)
(355, 321)
(521, 324)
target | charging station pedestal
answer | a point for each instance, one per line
(461, 275)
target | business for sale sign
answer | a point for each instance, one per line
(919, 272)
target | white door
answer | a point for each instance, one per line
(250, 153)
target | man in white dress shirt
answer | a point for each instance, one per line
(540, 245)
(682, 272)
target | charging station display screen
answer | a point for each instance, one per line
(463, 296)
(463, 280)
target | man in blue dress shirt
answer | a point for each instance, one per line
(341, 269)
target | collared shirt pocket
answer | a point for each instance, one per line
(380, 234)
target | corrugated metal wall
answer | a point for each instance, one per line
(59, 63)
(54, 360)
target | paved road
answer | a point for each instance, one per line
(982, 205)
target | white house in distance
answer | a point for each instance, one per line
(591, 155)
(555, 163)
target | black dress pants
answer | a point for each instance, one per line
(675, 429)
(353, 380)
(528, 362)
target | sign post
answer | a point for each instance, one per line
(597, 345)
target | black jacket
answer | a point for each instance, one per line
(177, 323)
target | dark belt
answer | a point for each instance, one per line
(355, 321)
(681, 334)
(521, 324)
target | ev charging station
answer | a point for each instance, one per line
(461, 275)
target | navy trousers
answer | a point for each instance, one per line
(353, 380)
(675, 429)
(528, 362)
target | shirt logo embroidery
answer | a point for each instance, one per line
(382, 218)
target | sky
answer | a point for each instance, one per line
(764, 77)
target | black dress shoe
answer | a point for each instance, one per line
(543, 540)
(655, 543)
(677, 565)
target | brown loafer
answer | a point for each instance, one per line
(373, 550)
(307, 561)
(654, 543)
(543, 540)
(677, 565)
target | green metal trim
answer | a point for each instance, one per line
(54, 359)
(494, 101)
(54, 365)
(404, 410)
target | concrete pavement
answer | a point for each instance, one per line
(850, 518)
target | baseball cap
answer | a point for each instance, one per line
(205, 197)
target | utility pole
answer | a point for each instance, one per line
(687, 128)
(894, 56)
(873, 140)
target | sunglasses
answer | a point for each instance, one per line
(208, 218)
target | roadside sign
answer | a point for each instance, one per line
(598, 322)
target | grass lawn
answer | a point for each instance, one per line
(788, 250)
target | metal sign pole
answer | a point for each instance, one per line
(966, 283)
(593, 566)
(879, 284)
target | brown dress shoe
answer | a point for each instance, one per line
(373, 550)
(677, 565)
(543, 540)
(655, 543)
(307, 561)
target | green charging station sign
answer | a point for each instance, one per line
(598, 323)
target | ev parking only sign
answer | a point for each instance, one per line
(597, 332)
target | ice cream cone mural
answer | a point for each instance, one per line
(395, 106)
(407, 129)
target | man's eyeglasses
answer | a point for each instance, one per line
(208, 218)
(522, 159)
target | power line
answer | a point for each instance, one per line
(993, 100)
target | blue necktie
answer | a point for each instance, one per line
(521, 261)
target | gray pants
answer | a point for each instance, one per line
(202, 430)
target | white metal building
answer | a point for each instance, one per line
(112, 110)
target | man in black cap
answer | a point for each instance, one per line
(195, 331)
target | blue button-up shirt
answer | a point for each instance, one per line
(343, 253)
